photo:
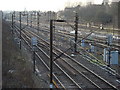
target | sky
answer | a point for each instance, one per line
(42, 5)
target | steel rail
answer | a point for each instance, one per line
(112, 70)
(87, 69)
(61, 70)
(82, 65)
(98, 41)
(42, 61)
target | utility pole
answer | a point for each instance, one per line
(51, 53)
(33, 61)
(12, 23)
(109, 56)
(27, 19)
(38, 20)
(20, 29)
(13, 18)
(76, 32)
(31, 20)
(51, 50)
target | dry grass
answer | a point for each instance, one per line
(15, 70)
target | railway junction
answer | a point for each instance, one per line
(68, 55)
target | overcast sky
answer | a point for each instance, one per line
(42, 5)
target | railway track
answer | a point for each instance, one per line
(69, 83)
(68, 63)
(35, 30)
(98, 42)
(83, 70)
(89, 54)
(101, 41)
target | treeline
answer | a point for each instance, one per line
(104, 14)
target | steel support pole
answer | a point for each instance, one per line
(12, 23)
(27, 19)
(14, 18)
(51, 54)
(31, 20)
(34, 61)
(76, 32)
(20, 29)
(109, 53)
(38, 20)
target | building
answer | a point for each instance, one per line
(105, 2)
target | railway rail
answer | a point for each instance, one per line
(68, 79)
(80, 66)
(98, 42)
(88, 57)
